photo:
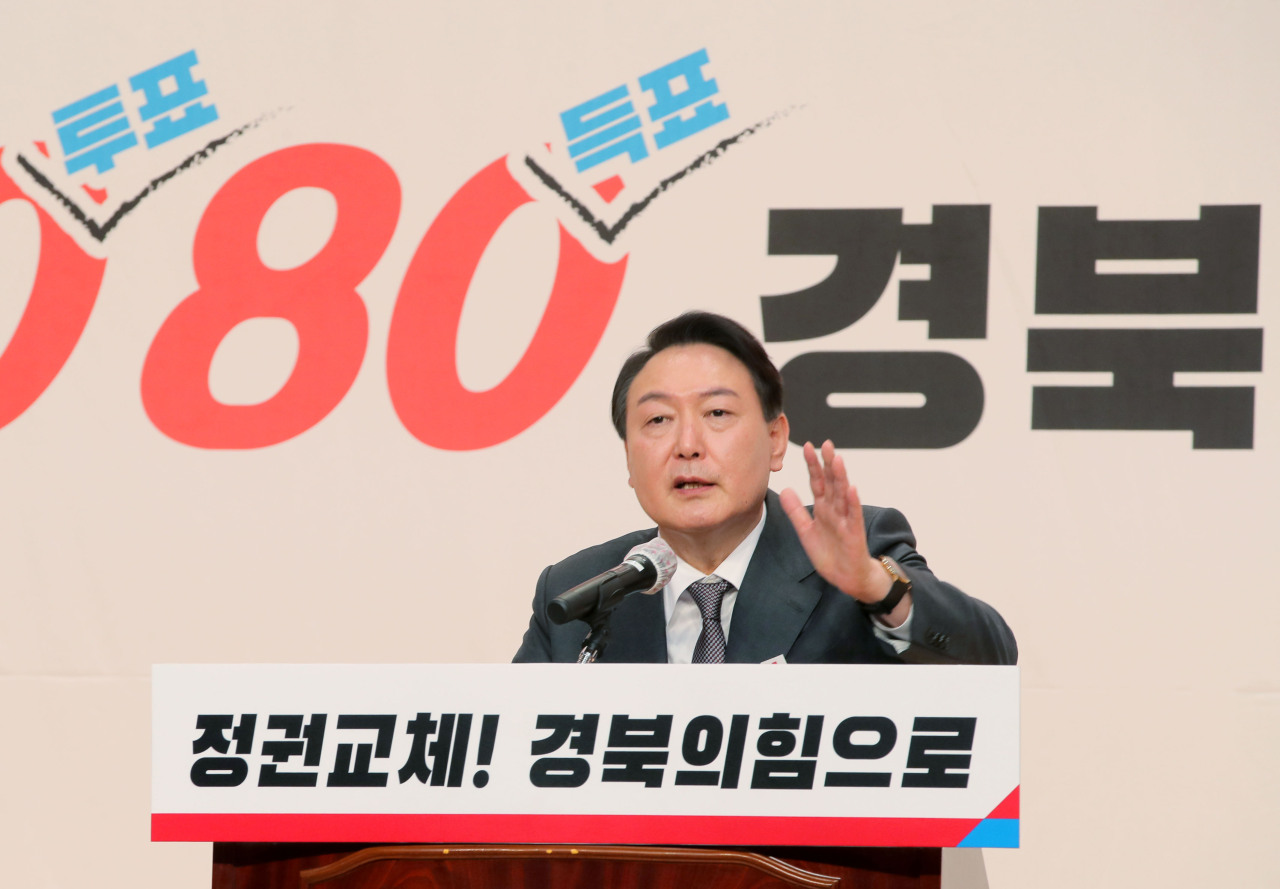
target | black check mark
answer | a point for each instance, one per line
(100, 231)
(609, 233)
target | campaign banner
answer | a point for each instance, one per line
(1165, 308)
(814, 755)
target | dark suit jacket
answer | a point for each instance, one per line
(784, 607)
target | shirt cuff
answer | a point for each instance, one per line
(900, 636)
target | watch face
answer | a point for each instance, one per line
(895, 570)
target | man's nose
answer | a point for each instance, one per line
(689, 445)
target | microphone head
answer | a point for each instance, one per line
(663, 559)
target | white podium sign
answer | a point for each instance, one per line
(607, 753)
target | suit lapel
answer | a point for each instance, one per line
(773, 605)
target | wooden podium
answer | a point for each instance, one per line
(289, 865)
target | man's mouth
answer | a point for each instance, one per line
(691, 484)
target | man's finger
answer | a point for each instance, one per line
(855, 502)
(795, 510)
(840, 482)
(855, 510)
(828, 469)
(816, 482)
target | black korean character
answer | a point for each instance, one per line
(452, 735)
(1222, 244)
(637, 764)
(347, 774)
(956, 247)
(301, 740)
(1220, 254)
(933, 733)
(951, 388)
(563, 771)
(778, 739)
(867, 245)
(1143, 395)
(222, 771)
(703, 738)
(847, 745)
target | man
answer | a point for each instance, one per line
(759, 577)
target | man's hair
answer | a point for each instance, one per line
(702, 328)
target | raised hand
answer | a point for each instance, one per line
(834, 537)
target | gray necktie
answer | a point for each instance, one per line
(711, 644)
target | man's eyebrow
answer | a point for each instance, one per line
(705, 393)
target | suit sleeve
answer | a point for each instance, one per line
(947, 626)
(536, 647)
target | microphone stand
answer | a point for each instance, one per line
(597, 637)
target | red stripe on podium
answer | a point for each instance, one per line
(1010, 807)
(574, 829)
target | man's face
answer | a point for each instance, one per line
(699, 451)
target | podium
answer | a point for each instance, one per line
(633, 775)
(309, 866)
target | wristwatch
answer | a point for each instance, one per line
(901, 586)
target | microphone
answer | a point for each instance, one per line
(646, 569)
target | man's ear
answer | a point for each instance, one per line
(626, 452)
(779, 431)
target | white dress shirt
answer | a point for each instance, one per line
(684, 618)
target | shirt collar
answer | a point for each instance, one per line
(732, 569)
